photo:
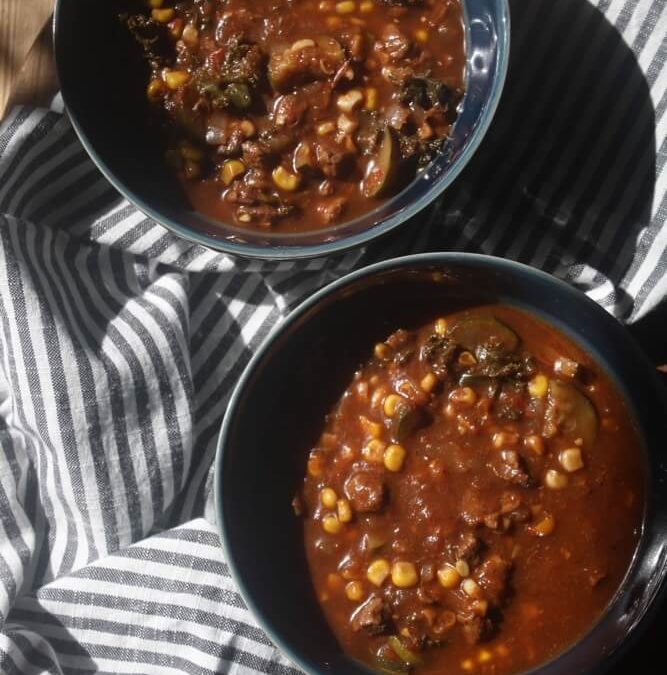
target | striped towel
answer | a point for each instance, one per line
(119, 343)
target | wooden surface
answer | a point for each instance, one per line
(26, 60)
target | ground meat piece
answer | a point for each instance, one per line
(476, 628)
(289, 109)
(510, 466)
(439, 351)
(476, 505)
(371, 616)
(566, 367)
(393, 45)
(308, 63)
(330, 209)
(493, 576)
(511, 402)
(366, 490)
(254, 154)
(333, 159)
(231, 146)
(469, 547)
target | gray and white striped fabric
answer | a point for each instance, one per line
(119, 343)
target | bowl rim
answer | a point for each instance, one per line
(423, 260)
(297, 251)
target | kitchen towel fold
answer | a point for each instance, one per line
(120, 343)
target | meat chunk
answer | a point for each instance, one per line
(476, 628)
(476, 505)
(305, 61)
(289, 109)
(469, 547)
(371, 616)
(333, 159)
(331, 209)
(439, 351)
(493, 576)
(510, 466)
(393, 45)
(511, 402)
(366, 490)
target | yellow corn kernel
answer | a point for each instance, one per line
(373, 451)
(190, 35)
(162, 15)
(462, 568)
(315, 466)
(390, 403)
(381, 351)
(471, 588)
(231, 169)
(394, 457)
(538, 386)
(302, 44)
(345, 7)
(534, 443)
(328, 497)
(441, 327)
(344, 510)
(326, 6)
(334, 581)
(484, 656)
(155, 90)
(502, 439)
(378, 571)
(371, 99)
(373, 429)
(467, 665)
(448, 577)
(463, 396)
(155, 3)
(502, 650)
(354, 591)
(571, 460)
(429, 382)
(331, 524)
(248, 128)
(555, 480)
(545, 526)
(366, 6)
(175, 79)
(404, 574)
(421, 35)
(325, 128)
(467, 359)
(348, 101)
(285, 180)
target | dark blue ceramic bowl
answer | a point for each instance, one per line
(102, 78)
(301, 369)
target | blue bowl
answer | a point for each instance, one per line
(102, 79)
(274, 418)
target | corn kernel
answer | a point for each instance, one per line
(344, 510)
(378, 571)
(502, 650)
(544, 527)
(315, 466)
(176, 28)
(334, 581)
(285, 180)
(190, 35)
(467, 665)
(448, 577)
(325, 128)
(502, 439)
(373, 429)
(175, 79)
(538, 386)
(463, 396)
(326, 6)
(247, 128)
(471, 588)
(404, 574)
(328, 497)
(331, 524)
(390, 404)
(155, 90)
(302, 44)
(484, 656)
(421, 35)
(555, 480)
(467, 359)
(373, 451)
(231, 169)
(155, 3)
(462, 568)
(162, 15)
(534, 443)
(354, 591)
(366, 6)
(441, 327)
(381, 351)
(394, 457)
(571, 460)
(345, 7)
(429, 382)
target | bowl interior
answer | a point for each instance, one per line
(105, 97)
(275, 417)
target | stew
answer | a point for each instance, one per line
(299, 114)
(475, 497)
